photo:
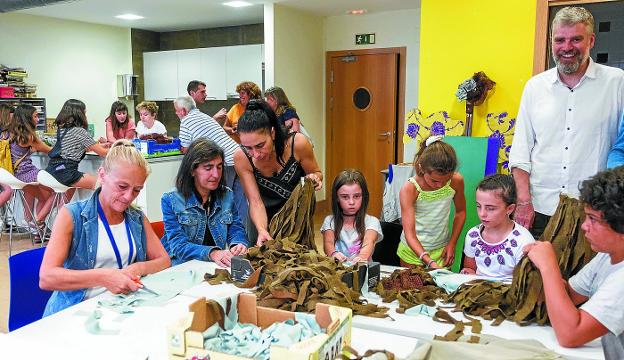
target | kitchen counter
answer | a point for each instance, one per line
(161, 179)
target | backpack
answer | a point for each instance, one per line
(5, 153)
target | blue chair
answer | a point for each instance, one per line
(27, 301)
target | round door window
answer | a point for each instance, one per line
(362, 98)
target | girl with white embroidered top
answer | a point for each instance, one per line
(357, 231)
(494, 247)
(426, 207)
(103, 243)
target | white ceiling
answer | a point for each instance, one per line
(172, 15)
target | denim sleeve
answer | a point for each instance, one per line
(236, 231)
(616, 155)
(176, 241)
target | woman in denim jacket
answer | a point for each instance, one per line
(200, 218)
(103, 243)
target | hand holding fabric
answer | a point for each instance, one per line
(263, 236)
(221, 257)
(239, 249)
(449, 254)
(119, 282)
(542, 254)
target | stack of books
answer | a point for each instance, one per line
(14, 77)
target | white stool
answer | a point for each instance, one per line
(9, 213)
(44, 178)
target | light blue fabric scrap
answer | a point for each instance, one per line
(421, 309)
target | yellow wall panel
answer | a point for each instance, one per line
(459, 38)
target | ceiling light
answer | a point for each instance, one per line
(237, 3)
(357, 12)
(129, 17)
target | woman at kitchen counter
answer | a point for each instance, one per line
(149, 125)
(246, 90)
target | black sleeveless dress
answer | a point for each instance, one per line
(276, 190)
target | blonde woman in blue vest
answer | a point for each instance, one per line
(103, 243)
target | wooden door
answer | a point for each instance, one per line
(362, 118)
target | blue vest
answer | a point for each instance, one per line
(83, 248)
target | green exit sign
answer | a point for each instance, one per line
(364, 39)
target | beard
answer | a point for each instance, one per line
(568, 67)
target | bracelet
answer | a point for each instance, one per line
(423, 255)
(524, 203)
(429, 263)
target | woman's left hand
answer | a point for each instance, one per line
(449, 254)
(239, 249)
(318, 183)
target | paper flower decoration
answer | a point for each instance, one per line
(439, 123)
(502, 127)
(475, 89)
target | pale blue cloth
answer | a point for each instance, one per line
(421, 309)
(450, 281)
(249, 341)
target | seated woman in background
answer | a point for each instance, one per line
(72, 143)
(149, 125)
(286, 113)
(103, 243)
(246, 90)
(119, 124)
(23, 141)
(201, 221)
(598, 286)
(270, 164)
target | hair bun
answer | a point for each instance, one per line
(255, 104)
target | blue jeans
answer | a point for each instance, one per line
(240, 201)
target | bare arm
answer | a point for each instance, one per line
(98, 149)
(293, 124)
(457, 183)
(368, 244)
(305, 154)
(470, 265)
(329, 245)
(110, 135)
(40, 146)
(407, 198)
(257, 211)
(573, 327)
(524, 213)
(53, 276)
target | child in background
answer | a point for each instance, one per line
(426, 207)
(119, 124)
(72, 143)
(149, 125)
(358, 231)
(24, 139)
(494, 247)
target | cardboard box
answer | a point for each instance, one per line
(185, 340)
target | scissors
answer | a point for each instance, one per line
(137, 280)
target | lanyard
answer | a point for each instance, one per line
(112, 239)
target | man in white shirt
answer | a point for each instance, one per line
(195, 124)
(567, 121)
(197, 90)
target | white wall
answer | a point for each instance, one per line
(392, 29)
(68, 59)
(298, 69)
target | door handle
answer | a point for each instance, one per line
(385, 134)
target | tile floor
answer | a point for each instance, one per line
(22, 242)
